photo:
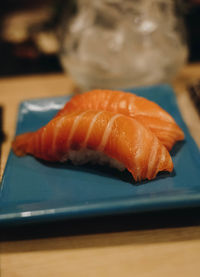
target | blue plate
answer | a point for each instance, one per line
(34, 191)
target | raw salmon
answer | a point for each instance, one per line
(145, 111)
(88, 135)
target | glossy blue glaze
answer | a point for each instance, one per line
(33, 191)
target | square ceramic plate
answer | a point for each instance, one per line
(33, 191)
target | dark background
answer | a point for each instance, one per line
(25, 57)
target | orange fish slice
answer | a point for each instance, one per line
(145, 111)
(101, 136)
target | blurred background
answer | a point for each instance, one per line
(32, 32)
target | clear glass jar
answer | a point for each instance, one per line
(123, 43)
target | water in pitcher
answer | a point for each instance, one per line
(123, 43)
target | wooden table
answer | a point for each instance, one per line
(158, 252)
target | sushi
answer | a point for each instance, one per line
(98, 136)
(145, 111)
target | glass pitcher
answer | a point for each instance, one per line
(123, 43)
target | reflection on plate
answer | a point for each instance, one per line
(33, 191)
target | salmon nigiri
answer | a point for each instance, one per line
(145, 111)
(98, 135)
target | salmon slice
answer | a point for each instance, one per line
(145, 111)
(120, 138)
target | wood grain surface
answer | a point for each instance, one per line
(168, 252)
(154, 252)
